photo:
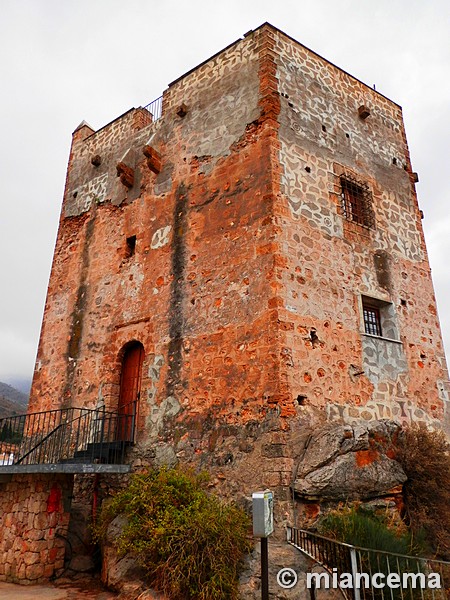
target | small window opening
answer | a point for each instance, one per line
(324, 128)
(378, 318)
(301, 399)
(308, 169)
(314, 338)
(372, 321)
(131, 246)
(356, 202)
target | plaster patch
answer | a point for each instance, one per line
(160, 237)
(401, 411)
(92, 191)
(169, 407)
(383, 359)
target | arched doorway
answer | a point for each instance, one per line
(130, 389)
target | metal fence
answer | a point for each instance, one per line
(67, 435)
(155, 108)
(365, 574)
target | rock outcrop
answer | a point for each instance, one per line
(343, 462)
(123, 574)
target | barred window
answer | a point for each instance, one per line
(356, 201)
(372, 320)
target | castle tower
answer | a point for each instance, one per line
(250, 259)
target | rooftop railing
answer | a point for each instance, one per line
(155, 108)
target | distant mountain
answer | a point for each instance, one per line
(12, 402)
(23, 384)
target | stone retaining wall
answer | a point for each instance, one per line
(34, 513)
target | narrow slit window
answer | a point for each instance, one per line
(356, 202)
(131, 246)
(372, 321)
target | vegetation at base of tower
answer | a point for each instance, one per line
(190, 543)
(367, 528)
(425, 458)
(376, 530)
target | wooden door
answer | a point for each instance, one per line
(130, 388)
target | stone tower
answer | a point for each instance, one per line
(246, 263)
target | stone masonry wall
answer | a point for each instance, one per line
(244, 281)
(34, 513)
(329, 262)
(99, 298)
(196, 293)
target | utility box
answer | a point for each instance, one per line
(262, 513)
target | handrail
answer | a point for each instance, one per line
(338, 558)
(67, 434)
(22, 457)
(361, 548)
(60, 410)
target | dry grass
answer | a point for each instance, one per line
(425, 458)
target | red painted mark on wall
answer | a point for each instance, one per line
(54, 499)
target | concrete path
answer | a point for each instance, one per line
(69, 591)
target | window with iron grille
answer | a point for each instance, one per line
(372, 320)
(356, 201)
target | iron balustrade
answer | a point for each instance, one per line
(339, 557)
(155, 108)
(72, 435)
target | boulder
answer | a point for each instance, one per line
(343, 462)
(119, 571)
(123, 574)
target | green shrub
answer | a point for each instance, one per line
(190, 543)
(360, 527)
(367, 529)
(425, 458)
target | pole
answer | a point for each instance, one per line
(354, 563)
(264, 569)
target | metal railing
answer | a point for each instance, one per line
(402, 577)
(155, 108)
(67, 435)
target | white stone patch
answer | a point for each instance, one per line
(442, 390)
(401, 411)
(150, 139)
(160, 237)
(124, 157)
(83, 197)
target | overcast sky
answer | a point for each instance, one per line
(63, 61)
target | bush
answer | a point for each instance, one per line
(425, 458)
(189, 542)
(364, 528)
